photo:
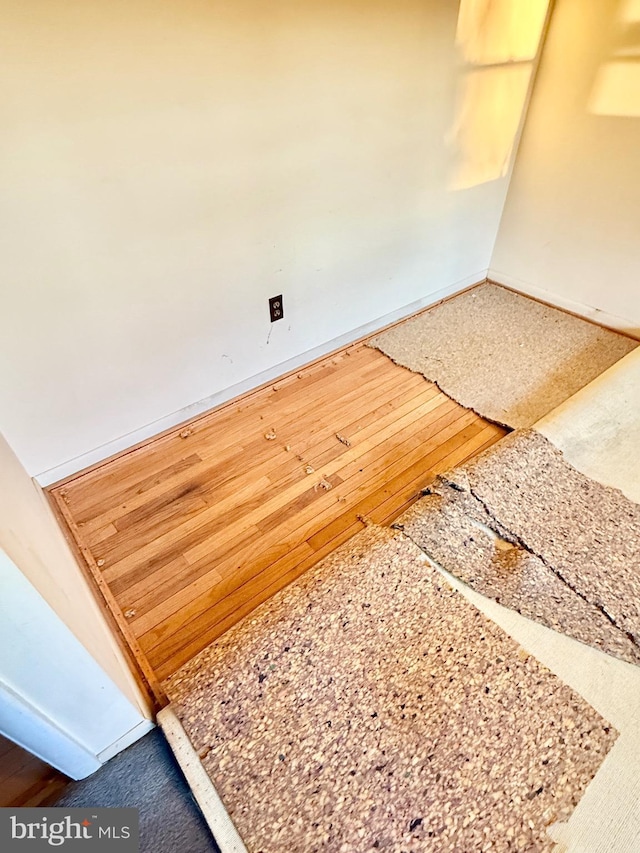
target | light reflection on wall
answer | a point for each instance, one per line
(493, 31)
(616, 91)
(498, 42)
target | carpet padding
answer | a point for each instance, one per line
(507, 357)
(521, 525)
(369, 706)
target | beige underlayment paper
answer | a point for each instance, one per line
(369, 706)
(598, 429)
(507, 357)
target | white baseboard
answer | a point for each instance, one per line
(92, 457)
(134, 734)
(579, 308)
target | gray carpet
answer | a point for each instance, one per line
(147, 777)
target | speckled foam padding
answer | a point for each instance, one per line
(369, 706)
(505, 356)
(521, 525)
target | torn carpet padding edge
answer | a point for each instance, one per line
(507, 357)
(522, 526)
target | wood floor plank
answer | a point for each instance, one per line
(387, 512)
(233, 570)
(417, 463)
(471, 441)
(247, 566)
(224, 470)
(163, 640)
(86, 500)
(328, 408)
(370, 421)
(370, 417)
(191, 531)
(22, 782)
(342, 466)
(213, 485)
(141, 668)
(369, 459)
(126, 553)
(13, 761)
(6, 746)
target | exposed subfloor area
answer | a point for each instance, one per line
(190, 532)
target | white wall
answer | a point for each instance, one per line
(571, 222)
(32, 539)
(169, 165)
(54, 699)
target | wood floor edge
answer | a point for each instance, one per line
(140, 667)
(203, 789)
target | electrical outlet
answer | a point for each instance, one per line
(275, 308)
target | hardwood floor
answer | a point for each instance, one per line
(26, 781)
(192, 531)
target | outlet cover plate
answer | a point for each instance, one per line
(276, 310)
